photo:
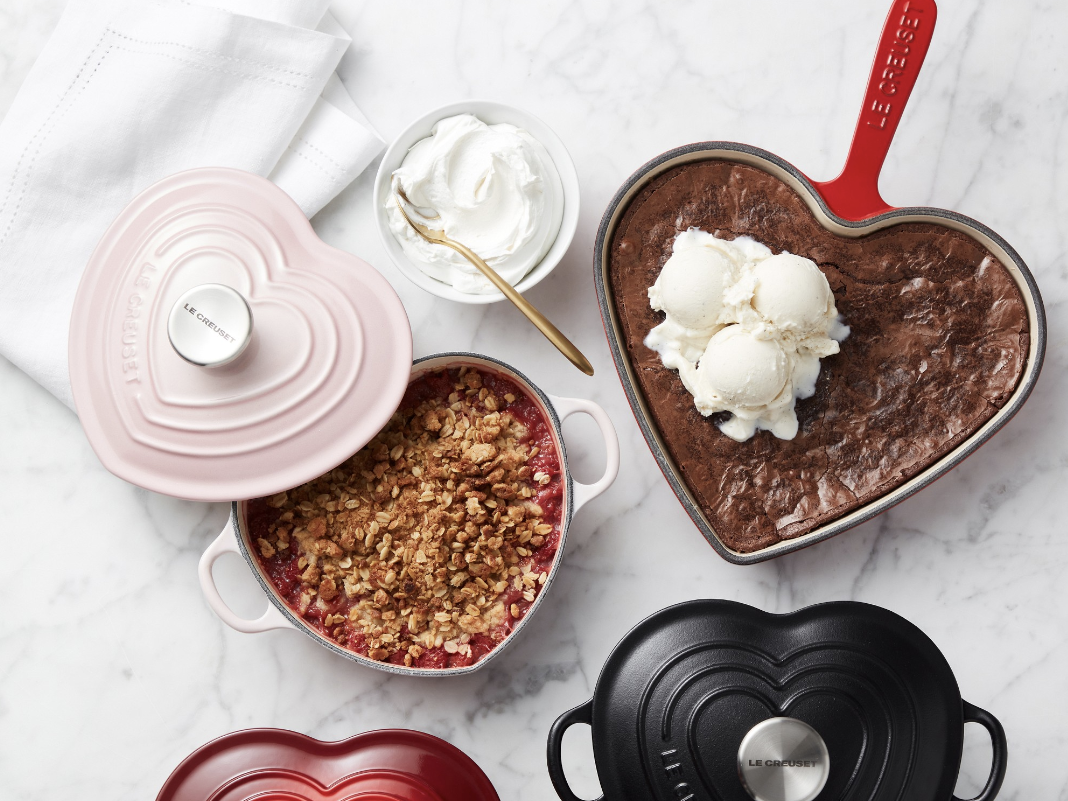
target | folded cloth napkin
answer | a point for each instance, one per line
(127, 92)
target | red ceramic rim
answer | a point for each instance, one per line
(276, 764)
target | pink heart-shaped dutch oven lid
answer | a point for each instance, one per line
(326, 366)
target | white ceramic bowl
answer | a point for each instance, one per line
(491, 113)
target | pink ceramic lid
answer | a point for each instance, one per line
(219, 350)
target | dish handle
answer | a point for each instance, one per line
(1000, 756)
(584, 493)
(854, 195)
(580, 714)
(225, 543)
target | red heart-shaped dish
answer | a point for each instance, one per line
(281, 765)
(947, 340)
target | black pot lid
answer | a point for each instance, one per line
(718, 700)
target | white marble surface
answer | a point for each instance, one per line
(112, 668)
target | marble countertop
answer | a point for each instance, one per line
(112, 668)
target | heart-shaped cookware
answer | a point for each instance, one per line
(281, 765)
(324, 368)
(866, 704)
(947, 326)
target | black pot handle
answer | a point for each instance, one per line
(580, 714)
(1000, 758)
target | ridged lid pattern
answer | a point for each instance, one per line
(683, 689)
(326, 366)
(281, 765)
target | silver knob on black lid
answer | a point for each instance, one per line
(783, 759)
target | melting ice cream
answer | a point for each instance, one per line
(744, 328)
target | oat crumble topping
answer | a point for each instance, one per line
(428, 533)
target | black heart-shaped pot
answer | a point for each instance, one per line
(718, 700)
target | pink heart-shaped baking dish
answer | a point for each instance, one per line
(326, 366)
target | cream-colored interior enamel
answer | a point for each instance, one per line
(948, 460)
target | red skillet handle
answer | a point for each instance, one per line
(854, 195)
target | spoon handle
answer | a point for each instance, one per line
(551, 332)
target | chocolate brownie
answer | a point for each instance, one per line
(939, 342)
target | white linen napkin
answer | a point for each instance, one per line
(127, 92)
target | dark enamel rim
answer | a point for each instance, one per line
(762, 159)
(593, 712)
(454, 359)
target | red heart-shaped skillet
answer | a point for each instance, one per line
(220, 350)
(281, 765)
(948, 330)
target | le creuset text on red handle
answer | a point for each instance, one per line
(854, 195)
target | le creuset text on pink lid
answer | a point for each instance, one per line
(220, 350)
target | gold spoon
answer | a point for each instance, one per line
(552, 333)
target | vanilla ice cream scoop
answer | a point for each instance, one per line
(745, 329)
(792, 293)
(692, 285)
(699, 291)
(738, 369)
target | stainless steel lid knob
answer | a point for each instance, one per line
(783, 759)
(210, 325)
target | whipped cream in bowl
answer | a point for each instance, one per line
(493, 178)
(492, 187)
